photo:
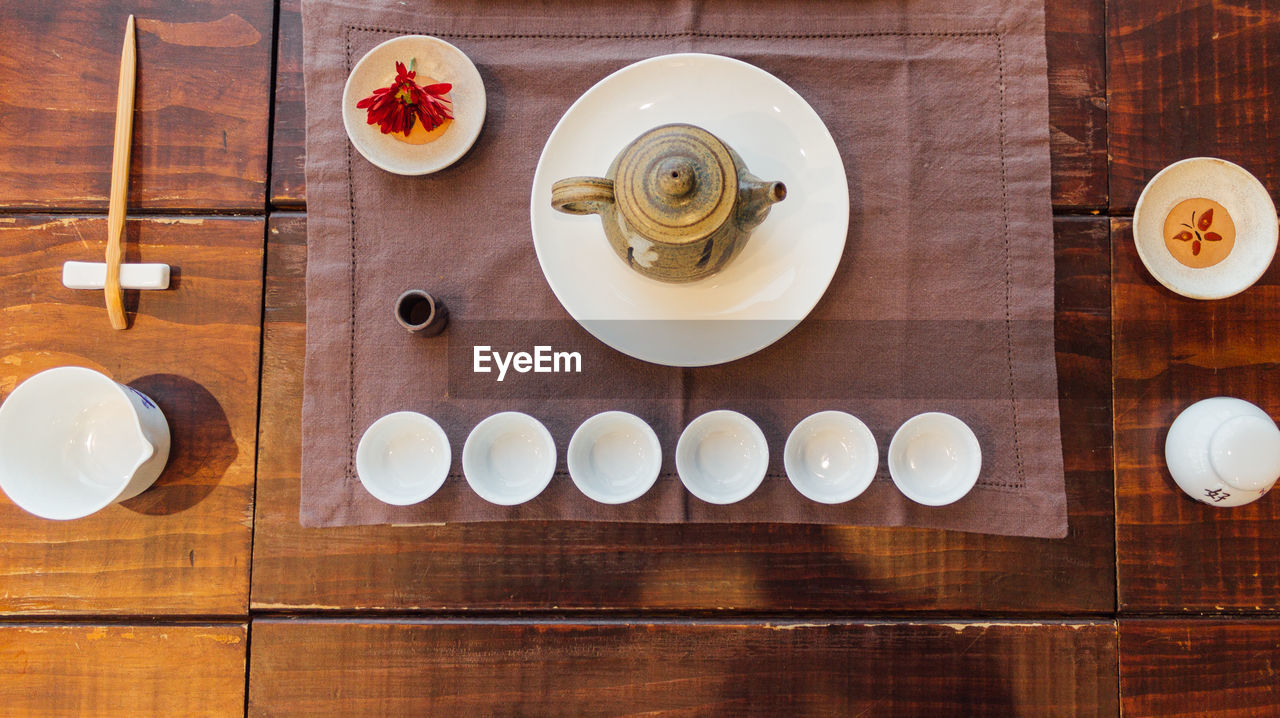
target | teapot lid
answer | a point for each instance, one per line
(676, 184)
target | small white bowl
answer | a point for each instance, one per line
(403, 458)
(934, 459)
(722, 457)
(73, 441)
(436, 59)
(1223, 451)
(831, 457)
(509, 458)
(1244, 198)
(614, 457)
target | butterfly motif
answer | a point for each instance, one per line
(1199, 231)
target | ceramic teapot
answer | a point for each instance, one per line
(1223, 451)
(677, 203)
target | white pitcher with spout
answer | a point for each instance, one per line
(73, 441)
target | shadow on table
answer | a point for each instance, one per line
(202, 447)
(133, 255)
(876, 667)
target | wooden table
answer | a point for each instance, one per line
(205, 596)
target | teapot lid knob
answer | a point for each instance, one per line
(676, 177)
(1245, 452)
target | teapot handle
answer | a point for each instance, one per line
(582, 195)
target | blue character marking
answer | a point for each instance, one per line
(1217, 495)
(145, 401)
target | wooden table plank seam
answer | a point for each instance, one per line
(1145, 573)
(200, 121)
(812, 569)
(182, 546)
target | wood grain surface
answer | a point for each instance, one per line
(753, 567)
(289, 133)
(182, 546)
(1176, 554)
(200, 128)
(122, 671)
(1074, 41)
(579, 618)
(839, 669)
(1188, 79)
(1203, 667)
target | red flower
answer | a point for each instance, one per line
(396, 108)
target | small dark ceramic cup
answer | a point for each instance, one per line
(421, 313)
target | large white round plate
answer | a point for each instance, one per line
(763, 293)
(1244, 198)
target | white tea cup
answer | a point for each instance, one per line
(614, 457)
(403, 458)
(722, 457)
(509, 458)
(73, 441)
(1223, 451)
(831, 457)
(934, 459)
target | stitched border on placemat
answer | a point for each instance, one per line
(998, 37)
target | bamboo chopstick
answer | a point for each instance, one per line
(117, 203)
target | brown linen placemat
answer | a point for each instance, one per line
(943, 299)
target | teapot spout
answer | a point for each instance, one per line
(755, 197)
(774, 191)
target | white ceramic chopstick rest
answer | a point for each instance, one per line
(93, 275)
